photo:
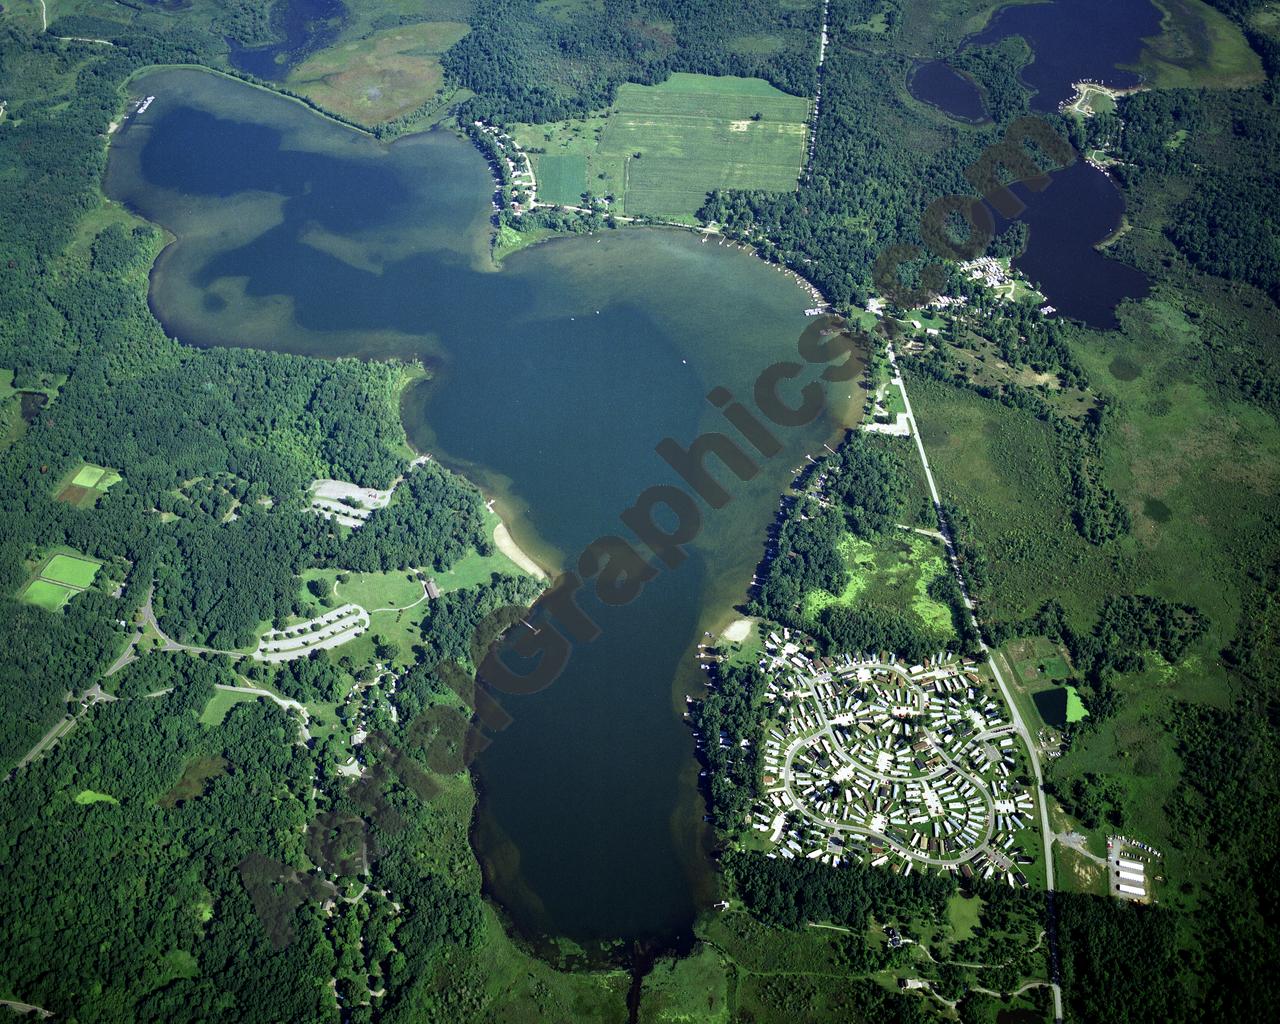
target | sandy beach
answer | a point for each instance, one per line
(507, 545)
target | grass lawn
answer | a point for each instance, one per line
(395, 600)
(220, 703)
(71, 571)
(89, 796)
(50, 596)
(962, 915)
(1076, 711)
(88, 476)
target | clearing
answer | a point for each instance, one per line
(661, 148)
(894, 571)
(86, 485)
(58, 579)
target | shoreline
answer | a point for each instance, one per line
(505, 543)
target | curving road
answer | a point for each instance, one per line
(1018, 723)
(949, 768)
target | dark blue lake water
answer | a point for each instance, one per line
(1075, 40)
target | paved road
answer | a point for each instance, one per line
(17, 1007)
(1046, 833)
(93, 695)
(949, 768)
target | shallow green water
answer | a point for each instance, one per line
(555, 379)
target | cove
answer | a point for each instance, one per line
(1080, 39)
(1077, 210)
(552, 381)
(306, 26)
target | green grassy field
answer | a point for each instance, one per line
(50, 596)
(694, 988)
(395, 600)
(962, 914)
(562, 178)
(696, 133)
(1076, 711)
(661, 148)
(220, 703)
(73, 572)
(58, 579)
(89, 796)
(88, 476)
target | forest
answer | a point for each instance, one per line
(862, 492)
(730, 714)
(529, 64)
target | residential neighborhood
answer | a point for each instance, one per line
(906, 766)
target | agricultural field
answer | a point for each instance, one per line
(86, 485)
(381, 77)
(58, 579)
(660, 149)
(562, 178)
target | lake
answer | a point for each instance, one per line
(1079, 208)
(306, 25)
(1075, 40)
(940, 85)
(553, 380)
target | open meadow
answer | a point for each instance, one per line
(381, 77)
(660, 149)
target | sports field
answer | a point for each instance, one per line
(88, 484)
(73, 572)
(662, 148)
(88, 476)
(43, 594)
(59, 579)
